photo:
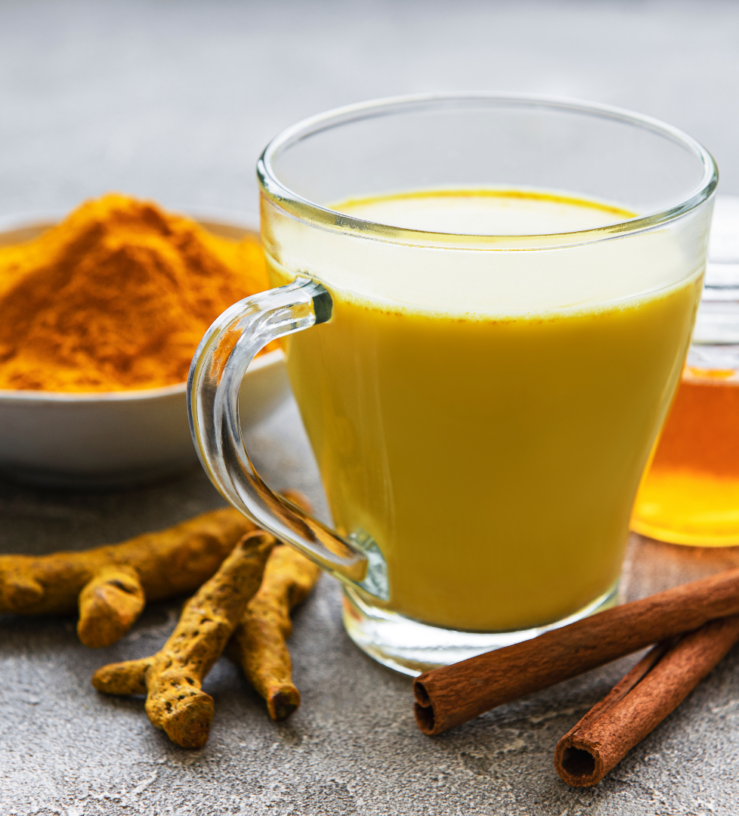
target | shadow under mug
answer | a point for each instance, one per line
(480, 460)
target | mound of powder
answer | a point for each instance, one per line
(116, 297)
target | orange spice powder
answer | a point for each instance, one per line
(116, 297)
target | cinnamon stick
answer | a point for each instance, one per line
(656, 685)
(452, 695)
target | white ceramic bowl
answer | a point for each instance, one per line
(115, 438)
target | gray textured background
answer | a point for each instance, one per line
(174, 100)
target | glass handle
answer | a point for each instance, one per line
(216, 374)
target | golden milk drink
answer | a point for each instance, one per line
(485, 414)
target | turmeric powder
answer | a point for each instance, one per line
(690, 495)
(116, 297)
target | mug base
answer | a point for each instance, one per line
(411, 648)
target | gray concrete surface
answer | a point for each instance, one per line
(174, 100)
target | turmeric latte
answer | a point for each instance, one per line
(485, 416)
(115, 297)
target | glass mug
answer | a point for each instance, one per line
(481, 401)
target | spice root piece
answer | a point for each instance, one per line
(109, 604)
(123, 678)
(258, 643)
(163, 564)
(173, 677)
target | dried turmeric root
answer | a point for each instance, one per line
(111, 583)
(172, 678)
(110, 603)
(258, 642)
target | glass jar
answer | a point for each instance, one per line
(690, 494)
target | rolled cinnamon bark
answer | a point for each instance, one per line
(658, 683)
(452, 695)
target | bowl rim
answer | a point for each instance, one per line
(47, 218)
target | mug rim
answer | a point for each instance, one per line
(306, 210)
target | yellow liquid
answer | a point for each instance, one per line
(492, 452)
